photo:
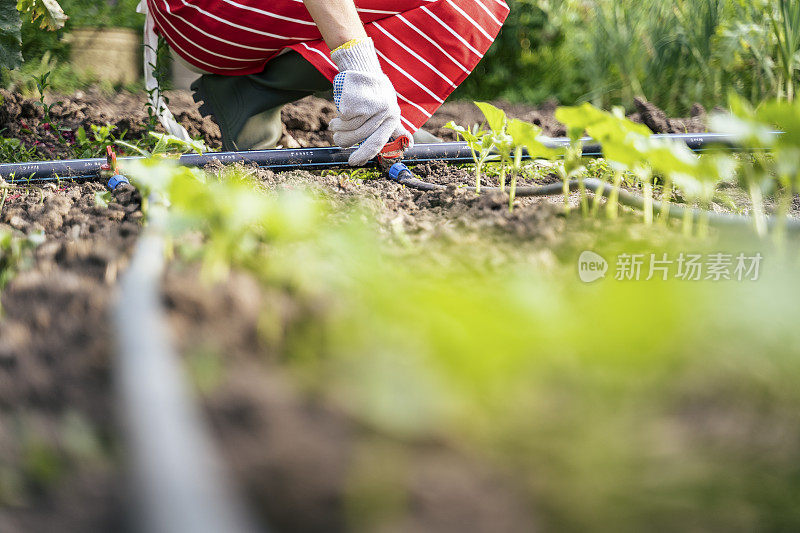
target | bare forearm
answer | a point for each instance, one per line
(337, 20)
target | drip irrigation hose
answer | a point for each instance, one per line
(180, 484)
(402, 175)
(315, 158)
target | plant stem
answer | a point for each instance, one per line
(687, 222)
(598, 194)
(612, 207)
(647, 185)
(477, 169)
(702, 223)
(665, 201)
(784, 203)
(758, 209)
(503, 176)
(515, 172)
(584, 201)
(512, 192)
(565, 181)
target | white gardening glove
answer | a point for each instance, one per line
(366, 101)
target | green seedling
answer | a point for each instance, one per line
(96, 141)
(15, 252)
(502, 141)
(14, 151)
(42, 85)
(577, 120)
(480, 144)
(102, 198)
(525, 135)
(166, 146)
(773, 165)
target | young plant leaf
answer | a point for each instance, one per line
(527, 135)
(464, 133)
(102, 198)
(496, 118)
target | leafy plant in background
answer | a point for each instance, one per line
(502, 141)
(480, 144)
(526, 136)
(785, 22)
(13, 150)
(15, 252)
(609, 51)
(773, 166)
(95, 142)
(47, 13)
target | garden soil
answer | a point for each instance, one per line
(291, 454)
(305, 122)
(297, 458)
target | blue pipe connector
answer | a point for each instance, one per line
(116, 180)
(399, 171)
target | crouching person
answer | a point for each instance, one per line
(390, 64)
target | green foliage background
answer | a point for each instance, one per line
(672, 52)
(121, 14)
(9, 35)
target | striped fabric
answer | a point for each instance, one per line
(426, 47)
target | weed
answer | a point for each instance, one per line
(161, 72)
(15, 151)
(102, 198)
(15, 251)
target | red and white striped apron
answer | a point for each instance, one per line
(426, 47)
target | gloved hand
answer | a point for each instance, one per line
(366, 101)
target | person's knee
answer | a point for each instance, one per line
(248, 108)
(261, 131)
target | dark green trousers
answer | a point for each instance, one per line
(248, 108)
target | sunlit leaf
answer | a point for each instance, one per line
(528, 135)
(51, 15)
(496, 118)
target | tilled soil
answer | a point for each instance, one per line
(298, 459)
(58, 469)
(304, 464)
(55, 353)
(305, 121)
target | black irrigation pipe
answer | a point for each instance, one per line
(403, 176)
(179, 482)
(314, 158)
